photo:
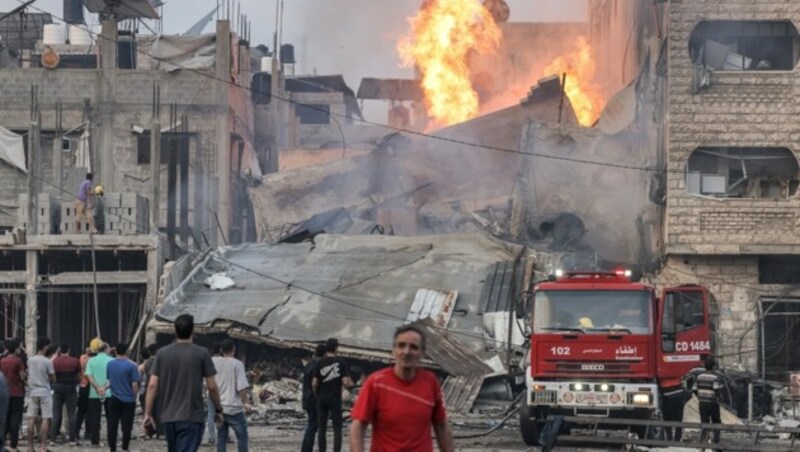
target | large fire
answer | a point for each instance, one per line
(443, 35)
(584, 95)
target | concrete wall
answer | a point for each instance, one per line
(742, 109)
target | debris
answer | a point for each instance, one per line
(219, 281)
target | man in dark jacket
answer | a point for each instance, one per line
(706, 388)
(330, 375)
(310, 400)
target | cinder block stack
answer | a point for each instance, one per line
(127, 214)
(48, 215)
(68, 219)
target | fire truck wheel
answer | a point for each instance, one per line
(529, 426)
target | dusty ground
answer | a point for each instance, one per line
(286, 434)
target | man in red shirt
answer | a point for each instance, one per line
(68, 370)
(13, 368)
(402, 402)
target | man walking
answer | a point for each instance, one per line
(67, 369)
(99, 391)
(310, 399)
(233, 393)
(177, 381)
(402, 402)
(83, 203)
(330, 374)
(706, 388)
(13, 369)
(40, 406)
(123, 380)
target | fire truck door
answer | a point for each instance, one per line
(684, 332)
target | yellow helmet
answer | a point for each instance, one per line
(586, 322)
(99, 190)
(94, 344)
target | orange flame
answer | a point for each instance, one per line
(584, 94)
(442, 36)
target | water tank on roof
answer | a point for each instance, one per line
(54, 34)
(73, 11)
(80, 36)
(287, 54)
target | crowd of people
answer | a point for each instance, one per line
(67, 395)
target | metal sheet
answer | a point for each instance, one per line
(436, 305)
(127, 8)
(357, 288)
(451, 353)
(460, 392)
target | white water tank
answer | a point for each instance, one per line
(266, 64)
(79, 36)
(54, 34)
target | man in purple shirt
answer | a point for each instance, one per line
(83, 203)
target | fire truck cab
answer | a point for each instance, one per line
(602, 344)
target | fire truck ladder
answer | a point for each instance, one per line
(747, 438)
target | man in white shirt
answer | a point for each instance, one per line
(40, 375)
(233, 392)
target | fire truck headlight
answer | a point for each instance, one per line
(641, 399)
(559, 273)
(580, 387)
(604, 387)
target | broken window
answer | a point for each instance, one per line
(762, 173)
(313, 113)
(745, 45)
(779, 337)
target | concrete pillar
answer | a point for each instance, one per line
(223, 72)
(107, 80)
(108, 44)
(31, 304)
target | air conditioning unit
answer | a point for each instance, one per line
(713, 184)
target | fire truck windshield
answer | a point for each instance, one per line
(593, 311)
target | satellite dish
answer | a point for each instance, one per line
(50, 58)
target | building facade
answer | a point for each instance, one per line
(732, 173)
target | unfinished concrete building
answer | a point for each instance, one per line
(731, 220)
(104, 116)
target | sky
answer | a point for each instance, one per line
(352, 37)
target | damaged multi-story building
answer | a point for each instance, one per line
(165, 124)
(732, 173)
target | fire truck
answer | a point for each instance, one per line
(603, 344)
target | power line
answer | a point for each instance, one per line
(272, 95)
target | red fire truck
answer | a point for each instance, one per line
(603, 344)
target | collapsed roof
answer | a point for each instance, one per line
(355, 288)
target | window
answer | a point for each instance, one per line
(779, 337)
(724, 172)
(745, 45)
(779, 270)
(592, 311)
(683, 311)
(313, 113)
